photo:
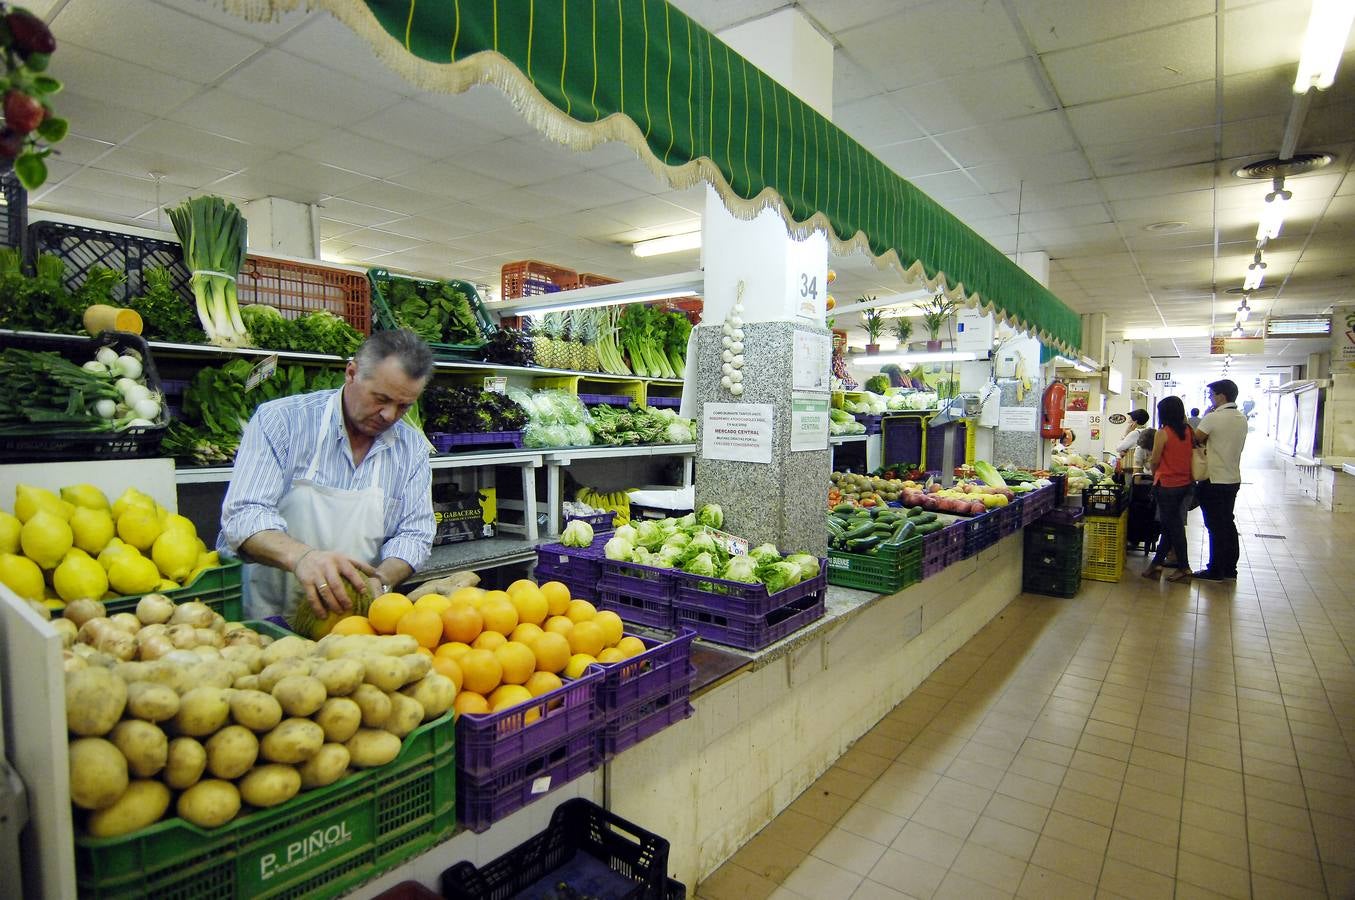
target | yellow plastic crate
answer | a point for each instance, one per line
(1104, 539)
(594, 385)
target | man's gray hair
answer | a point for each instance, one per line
(414, 354)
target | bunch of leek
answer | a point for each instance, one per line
(212, 233)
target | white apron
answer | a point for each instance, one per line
(352, 522)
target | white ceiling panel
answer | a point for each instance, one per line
(383, 193)
(1131, 118)
(519, 161)
(975, 98)
(1152, 60)
(191, 143)
(1164, 151)
(77, 200)
(89, 118)
(914, 158)
(851, 81)
(211, 14)
(443, 179)
(876, 121)
(485, 106)
(1253, 137)
(175, 171)
(585, 190)
(1062, 24)
(1192, 207)
(1171, 180)
(357, 213)
(95, 74)
(1038, 197)
(1009, 174)
(1068, 217)
(947, 186)
(1040, 134)
(1263, 36)
(219, 111)
(836, 16)
(417, 128)
(327, 42)
(298, 86)
(343, 149)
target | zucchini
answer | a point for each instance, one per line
(929, 527)
(860, 531)
(844, 508)
(835, 527)
(925, 518)
(863, 545)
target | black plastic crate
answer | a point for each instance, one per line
(1052, 584)
(596, 852)
(14, 223)
(82, 248)
(1105, 501)
(980, 533)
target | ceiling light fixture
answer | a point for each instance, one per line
(641, 290)
(1272, 218)
(1243, 311)
(940, 356)
(1298, 326)
(675, 243)
(1156, 334)
(1238, 331)
(1325, 41)
(1255, 272)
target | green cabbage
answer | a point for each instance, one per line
(778, 576)
(807, 564)
(741, 568)
(577, 533)
(618, 549)
(711, 515)
(670, 555)
(687, 522)
(649, 535)
(701, 564)
(765, 553)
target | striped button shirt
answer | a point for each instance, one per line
(277, 447)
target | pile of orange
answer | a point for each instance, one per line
(502, 648)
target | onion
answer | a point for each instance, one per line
(106, 409)
(129, 366)
(106, 357)
(141, 423)
(95, 367)
(737, 390)
(147, 408)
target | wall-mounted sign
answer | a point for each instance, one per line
(737, 431)
(1162, 376)
(1221, 346)
(1117, 418)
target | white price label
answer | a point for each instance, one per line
(261, 372)
(541, 785)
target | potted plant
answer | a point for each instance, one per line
(903, 330)
(874, 322)
(935, 312)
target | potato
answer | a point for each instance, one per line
(325, 767)
(243, 637)
(194, 613)
(396, 644)
(131, 671)
(154, 609)
(294, 741)
(95, 699)
(209, 637)
(143, 803)
(231, 752)
(270, 785)
(374, 703)
(372, 747)
(339, 718)
(72, 662)
(67, 629)
(271, 674)
(81, 611)
(214, 673)
(340, 646)
(435, 693)
(152, 702)
(157, 647)
(98, 773)
(406, 715)
(183, 637)
(237, 668)
(187, 761)
(285, 648)
(248, 683)
(255, 710)
(416, 666)
(341, 676)
(300, 695)
(248, 654)
(144, 745)
(184, 659)
(209, 804)
(126, 622)
(385, 672)
(174, 677)
(202, 711)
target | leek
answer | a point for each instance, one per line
(212, 233)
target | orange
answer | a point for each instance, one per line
(517, 661)
(552, 652)
(353, 625)
(611, 655)
(586, 637)
(611, 627)
(543, 683)
(481, 671)
(520, 584)
(578, 664)
(446, 666)
(425, 651)
(471, 595)
(510, 695)
(452, 650)
(557, 597)
(531, 604)
(525, 633)
(497, 595)
(386, 611)
(470, 702)
(631, 646)
(424, 625)
(436, 602)
(461, 622)
(499, 615)
(488, 640)
(559, 624)
(581, 610)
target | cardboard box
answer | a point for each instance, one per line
(464, 516)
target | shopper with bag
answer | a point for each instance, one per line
(1172, 486)
(1222, 434)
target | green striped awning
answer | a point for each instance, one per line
(640, 71)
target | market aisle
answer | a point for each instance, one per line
(1139, 741)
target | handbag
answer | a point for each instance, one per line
(1199, 464)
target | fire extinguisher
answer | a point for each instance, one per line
(1051, 423)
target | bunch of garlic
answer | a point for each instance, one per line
(732, 342)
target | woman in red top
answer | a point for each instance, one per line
(1172, 485)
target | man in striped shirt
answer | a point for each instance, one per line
(331, 487)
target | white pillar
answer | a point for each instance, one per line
(283, 227)
(789, 49)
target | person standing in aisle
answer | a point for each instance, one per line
(1132, 456)
(1222, 433)
(331, 487)
(1193, 420)
(1170, 462)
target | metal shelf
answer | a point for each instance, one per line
(836, 439)
(567, 455)
(486, 553)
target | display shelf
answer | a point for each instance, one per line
(836, 439)
(567, 455)
(210, 474)
(486, 553)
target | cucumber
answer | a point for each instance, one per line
(861, 531)
(925, 518)
(844, 508)
(863, 545)
(835, 527)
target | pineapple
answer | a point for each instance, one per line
(587, 332)
(554, 330)
(570, 357)
(540, 343)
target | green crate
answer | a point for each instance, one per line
(322, 843)
(385, 321)
(219, 587)
(883, 572)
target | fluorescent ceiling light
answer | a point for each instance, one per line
(1328, 26)
(641, 290)
(675, 243)
(1082, 363)
(1272, 217)
(1298, 326)
(1154, 334)
(939, 356)
(1254, 276)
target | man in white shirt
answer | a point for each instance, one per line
(1222, 432)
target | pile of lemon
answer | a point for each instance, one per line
(502, 648)
(78, 546)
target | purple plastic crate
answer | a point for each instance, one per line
(489, 743)
(872, 422)
(942, 548)
(636, 580)
(599, 521)
(578, 589)
(606, 400)
(720, 596)
(980, 533)
(665, 402)
(640, 610)
(450, 443)
(751, 632)
(645, 719)
(1009, 517)
(660, 669)
(1036, 503)
(582, 564)
(480, 802)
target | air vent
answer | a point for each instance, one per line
(1272, 168)
(1298, 326)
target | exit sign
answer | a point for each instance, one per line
(1162, 376)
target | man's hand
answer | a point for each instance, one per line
(322, 573)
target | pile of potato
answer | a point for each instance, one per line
(176, 705)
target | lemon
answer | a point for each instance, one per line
(21, 575)
(86, 495)
(130, 498)
(140, 526)
(208, 560)
(167, 585)
(45, 538)
(175, 554)
(10, 526)
(114, 549)
(28, 500)
(79, 577)
(93, 528)
(176, 522)
(133, 575)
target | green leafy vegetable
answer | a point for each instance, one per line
(711, 515)
(165, 315)
(577, 533)
(212, 233)
(438, 311)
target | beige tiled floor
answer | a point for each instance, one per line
(1138, 741)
